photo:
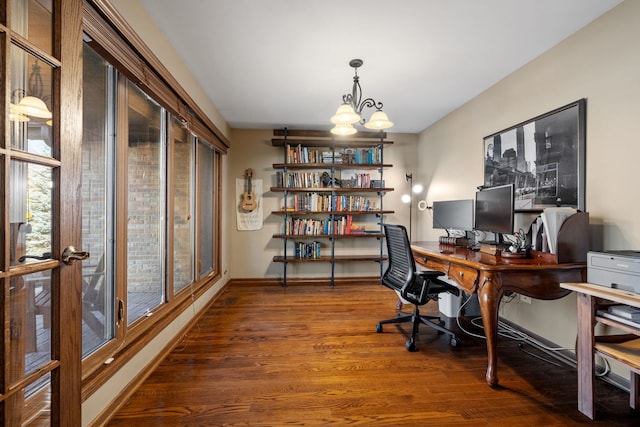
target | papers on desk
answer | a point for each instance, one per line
(552, 219)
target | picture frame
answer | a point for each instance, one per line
(543, 157)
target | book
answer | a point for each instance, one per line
(490, 249)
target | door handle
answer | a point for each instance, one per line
(71, 255)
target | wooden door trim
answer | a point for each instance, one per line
(67, 405)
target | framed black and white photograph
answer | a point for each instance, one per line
(543, 157)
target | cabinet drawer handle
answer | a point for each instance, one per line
(461, 274)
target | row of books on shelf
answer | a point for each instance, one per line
(325, 202)
(363, 156)
(298, 179)
(300, 154)
(316, 180)
(318, 227)
(307, 250)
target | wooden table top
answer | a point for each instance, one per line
(483, 261)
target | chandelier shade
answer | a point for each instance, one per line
(30, 102)
(345, 115)
(350, 111)
(15, 115)
(378, 121)
(343, 130)
(34, 107)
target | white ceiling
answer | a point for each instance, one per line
(273, 63)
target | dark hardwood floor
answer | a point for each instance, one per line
(310, 356)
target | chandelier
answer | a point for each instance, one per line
(350, 112)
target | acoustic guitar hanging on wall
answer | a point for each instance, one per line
(248, 203)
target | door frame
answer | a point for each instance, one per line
(67, 403)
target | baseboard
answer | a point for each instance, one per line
(300, 281)
(566, 356)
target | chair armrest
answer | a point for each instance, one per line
(436, 286)
(430, 274)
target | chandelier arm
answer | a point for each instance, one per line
(371, 103)
(348, 99)
(356, 93)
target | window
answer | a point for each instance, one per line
(183, 233)
(206, 161)
(98, 214)
(151, 177)
(140, 167)
(146, 206)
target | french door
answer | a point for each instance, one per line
(40, 383)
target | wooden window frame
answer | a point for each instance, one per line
(107, 33)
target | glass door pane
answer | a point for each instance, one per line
(33, 20)
(31, 308)
(30, 115)
(30, 212)
(29, 299)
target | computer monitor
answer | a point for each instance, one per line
(494, 209)
(453, 214)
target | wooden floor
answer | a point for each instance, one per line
(310, 356)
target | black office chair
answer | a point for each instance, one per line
(417, 288)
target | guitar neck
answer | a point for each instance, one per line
(249, 174)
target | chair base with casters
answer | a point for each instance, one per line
(416, 319)
(417, 288)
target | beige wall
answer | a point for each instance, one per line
(136, 16)
(252, 251)
(600, 63)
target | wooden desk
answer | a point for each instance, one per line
(590, 300)
(491, 276)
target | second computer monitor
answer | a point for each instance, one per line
(494, 209)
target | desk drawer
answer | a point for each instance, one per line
(466, 277)
(431, 264)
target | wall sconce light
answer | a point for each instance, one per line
(350, 112)
(408, 197)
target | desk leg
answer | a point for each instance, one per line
(584, 355)
(634, 396)
(489, 296)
